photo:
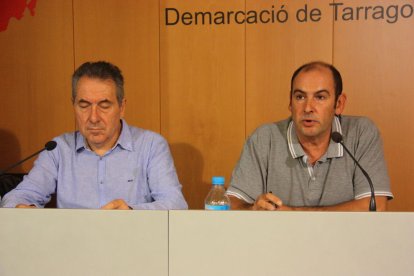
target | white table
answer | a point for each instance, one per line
(83, 242)
(177, 243)
(291, 243)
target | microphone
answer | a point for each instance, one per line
(337, 138)
(51, 145)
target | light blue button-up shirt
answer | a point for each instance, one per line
(138, 169)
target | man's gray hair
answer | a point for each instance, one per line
(101, 70)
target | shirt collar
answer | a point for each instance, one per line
(124, 140)
(296, 150)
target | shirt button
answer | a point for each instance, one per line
(313, 178)
(101, 182)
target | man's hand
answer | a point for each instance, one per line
(268, 202)
(25, 206)
(271, 202)
(117, 204)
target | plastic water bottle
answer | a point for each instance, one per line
(217, 198)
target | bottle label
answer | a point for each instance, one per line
(216, 207)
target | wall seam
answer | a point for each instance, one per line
(73, 48)
(159, 68)
(333, 35)
(245, 74)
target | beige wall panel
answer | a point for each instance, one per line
(127, 34)
(202, 96)
(35, 68)
(274, 51)
(376, 59)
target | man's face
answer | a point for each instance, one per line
(313, 104)
(98, 112)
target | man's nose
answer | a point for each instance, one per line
(309, 105)
(94, 116)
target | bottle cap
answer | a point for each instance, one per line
(217, 180)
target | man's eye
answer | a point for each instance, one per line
(105, 105)
(83, 105)
(299, 97)
(320, 97)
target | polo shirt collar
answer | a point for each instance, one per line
(296, 150)
(124, 140)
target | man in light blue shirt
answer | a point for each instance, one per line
(106, 163)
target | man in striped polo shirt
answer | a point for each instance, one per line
(294, 165)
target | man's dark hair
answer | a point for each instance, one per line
(315, 64)
(101, 70)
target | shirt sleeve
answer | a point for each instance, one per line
(36, 187)
(368, 150)
(162, 179)
(249, 178)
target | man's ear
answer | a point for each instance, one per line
(122, 107)
(340, 104)
(290, 104)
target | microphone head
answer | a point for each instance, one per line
(336, 137)
(51, 145)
